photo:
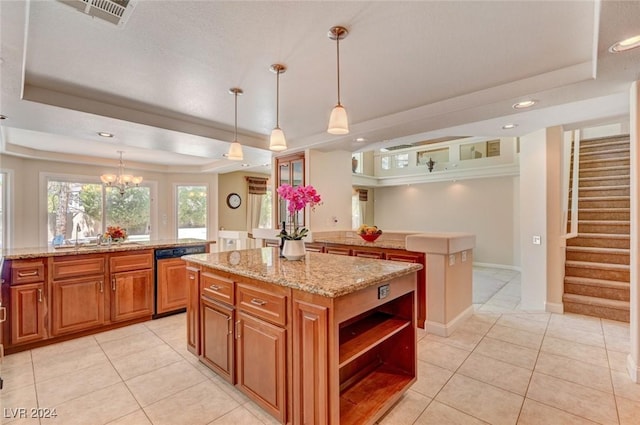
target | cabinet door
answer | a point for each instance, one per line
(77, 304)
(131, 295)
(216, 334)
(171, 285)
(193, 310)
(261, 363)
(27, 313)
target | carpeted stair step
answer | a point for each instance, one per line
(617, 272)
(600, 240)
(603, 226)
(600, 140)
(595, 147)
(598, 288)
(598, 307)
(614, 152)
(604, 163)
(598, 254)
(598, 191)
(604, 181)
(604, 202)
(604, 214)
(613, 170)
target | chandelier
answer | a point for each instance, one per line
(121, 181)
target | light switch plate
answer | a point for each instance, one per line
(537, 240)
(452, 259)
(463, 256)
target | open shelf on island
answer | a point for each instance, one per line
(372, 395)
(365, 334)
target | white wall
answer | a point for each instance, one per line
(533, 219)
(28, 209)
(330, 173)
(484, 207)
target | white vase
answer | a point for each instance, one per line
(293, 249)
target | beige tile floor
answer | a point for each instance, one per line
(502, 366)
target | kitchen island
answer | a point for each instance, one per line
(326, 340)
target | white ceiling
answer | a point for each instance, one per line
(410, 71)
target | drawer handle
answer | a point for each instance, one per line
(39, 295)
(27, 274)
(258, 302)
(214, 288)
(3, 314)
(230, 329)
(113, 284)
(101, 284)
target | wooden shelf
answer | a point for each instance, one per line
(365, 334)
(371, 396)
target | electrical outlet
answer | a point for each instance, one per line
(537, 240)
(383, 291)
(463, 256)
(452, 259)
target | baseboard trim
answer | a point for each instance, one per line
(633, 369)
(554, 308)
(498, 266)
(446, 329)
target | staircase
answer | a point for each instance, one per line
(596, 279)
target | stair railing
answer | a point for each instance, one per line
(571, 174)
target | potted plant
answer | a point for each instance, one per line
(297, 199)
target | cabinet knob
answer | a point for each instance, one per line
(192, 277)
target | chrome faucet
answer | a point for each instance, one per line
(78, 230)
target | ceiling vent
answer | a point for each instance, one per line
(115, 11)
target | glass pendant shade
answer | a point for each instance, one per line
(338, 121)
(277, 142)
(235, 151)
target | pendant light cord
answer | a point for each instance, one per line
(235, 133)
(278, 98)
(338, 62)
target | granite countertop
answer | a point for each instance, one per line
(323, 274)
(49, 251)
(358, 241)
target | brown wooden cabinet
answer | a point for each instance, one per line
(131, 277)
(193, 310)
(217, 322)
(261, 363)
(289, 170)
(28, 301)
(27, 313)
(77, 299)
(171, 285)
(132, 295)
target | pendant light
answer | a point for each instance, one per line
(277, 141)
(338, 121)
(121, 181)
(235, 150)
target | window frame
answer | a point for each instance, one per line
(175, 206)
(45, 176)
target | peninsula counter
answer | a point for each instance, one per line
(326, 340)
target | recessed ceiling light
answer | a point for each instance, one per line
(245, 165)
(524, 104)
(225, 155)
(509, 126)
(626, 44)
(3, 117)
(360, 139)
(105, 134)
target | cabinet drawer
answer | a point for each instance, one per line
(27, 272)
(379, 255)
(216, 287)
(337, 251)
(265, 305)
(134, 261)
(66, 267)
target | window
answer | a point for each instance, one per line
(401, 160)
(265, 210)
(192, 211)
(89, 207)
(385, 162)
